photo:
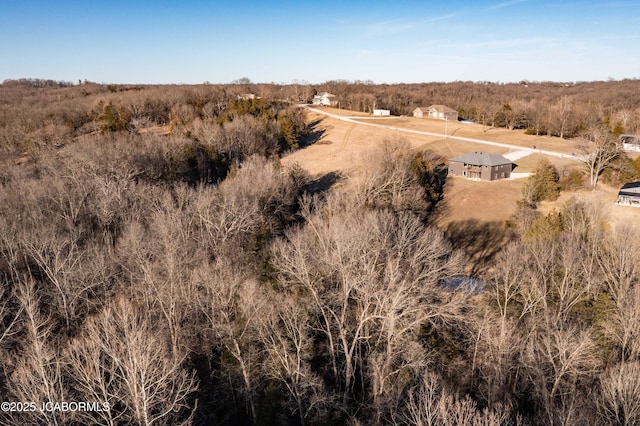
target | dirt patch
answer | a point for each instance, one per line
(156, 130)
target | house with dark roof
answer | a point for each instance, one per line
(441, 112)
(481, 166)
(630, 142)
(629, 194)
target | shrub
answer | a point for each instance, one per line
(542, 184)
(112, 118)
(572, 181)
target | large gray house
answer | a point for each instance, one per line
(481, 166)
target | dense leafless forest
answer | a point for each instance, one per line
(540, 108)
(155, 255)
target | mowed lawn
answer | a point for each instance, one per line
(479, 200)
(340, 147)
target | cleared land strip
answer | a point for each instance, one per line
(520, 149)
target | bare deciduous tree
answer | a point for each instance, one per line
(507, 279)
(431, 404)
(372, 280)
(598, 150)
(286, 334)
(619, 400)
(59, 260)
(619, 261)
(389, 180)
(620, 266)
(560, 114)
(37, 375)
(622, 325)
(135, 369)
(558, 359)
(229, 303)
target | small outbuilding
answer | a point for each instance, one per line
(382, 112)
(440, 112)
(246, 96)
(629, 194)
(481, 166)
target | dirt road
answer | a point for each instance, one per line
(521, 151)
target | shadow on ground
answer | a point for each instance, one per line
(480, 241)
(324, 183)
(315, 133)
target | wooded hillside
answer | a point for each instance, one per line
(156, 256)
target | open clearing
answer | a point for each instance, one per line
(478, 131)
(339, 147)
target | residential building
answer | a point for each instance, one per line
(630, 142)
(481, 166)
(441, 112)
(629, 194)
(325, 99)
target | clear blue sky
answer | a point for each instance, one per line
(193, 41)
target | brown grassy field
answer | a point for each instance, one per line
(478, 131)
(342, 145)
(467, 130)
(604, 197)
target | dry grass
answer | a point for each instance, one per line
(345, 112)
(478, 131)
(156, 130)
(527, 164)
(604, 196)
(479, 200)
(342, 146)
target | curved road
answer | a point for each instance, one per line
(419, 132)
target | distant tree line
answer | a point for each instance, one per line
(36, 82)
(540, 108)
(31, 116)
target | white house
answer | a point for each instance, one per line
(441, 112)
(325, 99)
(381, 112)
(246, 96)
